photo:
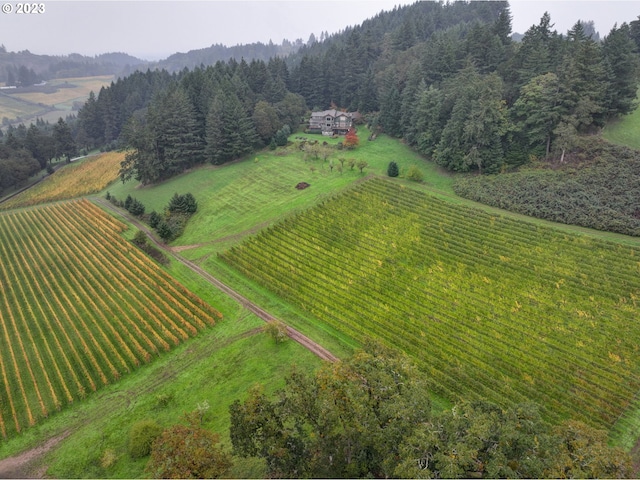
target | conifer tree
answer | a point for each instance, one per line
(392, 169)
(623, 64)
(230, 131)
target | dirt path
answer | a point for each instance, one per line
(27, 464)
(295, 335)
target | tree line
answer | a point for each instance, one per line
(370, 416)
(26, 151)
(447, 78)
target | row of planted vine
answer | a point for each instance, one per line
(492, 307)
(79, 308)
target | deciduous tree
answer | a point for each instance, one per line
(188, 451)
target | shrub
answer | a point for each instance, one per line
(154, 219)
(351, 140)
(164, 230)
(163, 400)
(392, 169)
(415, 174)
(188, 452)
(142, 436)
(136, 207)
(277, 330)
(140, 238)
(183, 204)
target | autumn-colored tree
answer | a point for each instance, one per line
(351, 140)
(188, 451)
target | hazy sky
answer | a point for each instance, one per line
(156, 29)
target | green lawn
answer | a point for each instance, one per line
(624, 131)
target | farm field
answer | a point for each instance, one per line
(492, 307)
(79, 178)
(80, 308)
(51, 106)
(12, 108)
(69, 90)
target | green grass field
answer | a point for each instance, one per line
(624, 131)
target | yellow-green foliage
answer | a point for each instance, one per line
(79, 308)
(77, 179)
(493, 308)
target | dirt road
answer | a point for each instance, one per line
(295, 335)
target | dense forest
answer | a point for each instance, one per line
(447, 78)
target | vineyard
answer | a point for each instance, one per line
(492, 307)
(74, 180)
(79, 307)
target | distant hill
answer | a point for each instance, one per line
(218, 52)
(47, 67)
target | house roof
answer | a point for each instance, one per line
(330, 113)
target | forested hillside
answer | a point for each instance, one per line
(446, 78)
(25, 68)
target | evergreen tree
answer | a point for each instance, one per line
(623, 64)
(230, 131)
(429, 118)
(173, 126)
(391, 110)
(90, 119)
(266, 121)
(473, 135)
(64, 144)
(537, 111)
(392, 169)
(583, 81)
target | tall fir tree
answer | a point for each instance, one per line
(230, 130)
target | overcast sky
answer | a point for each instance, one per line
(156, 29)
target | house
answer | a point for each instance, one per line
(332, 122)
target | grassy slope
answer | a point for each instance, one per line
(238, 199)
(625, 131)
(213, 367)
